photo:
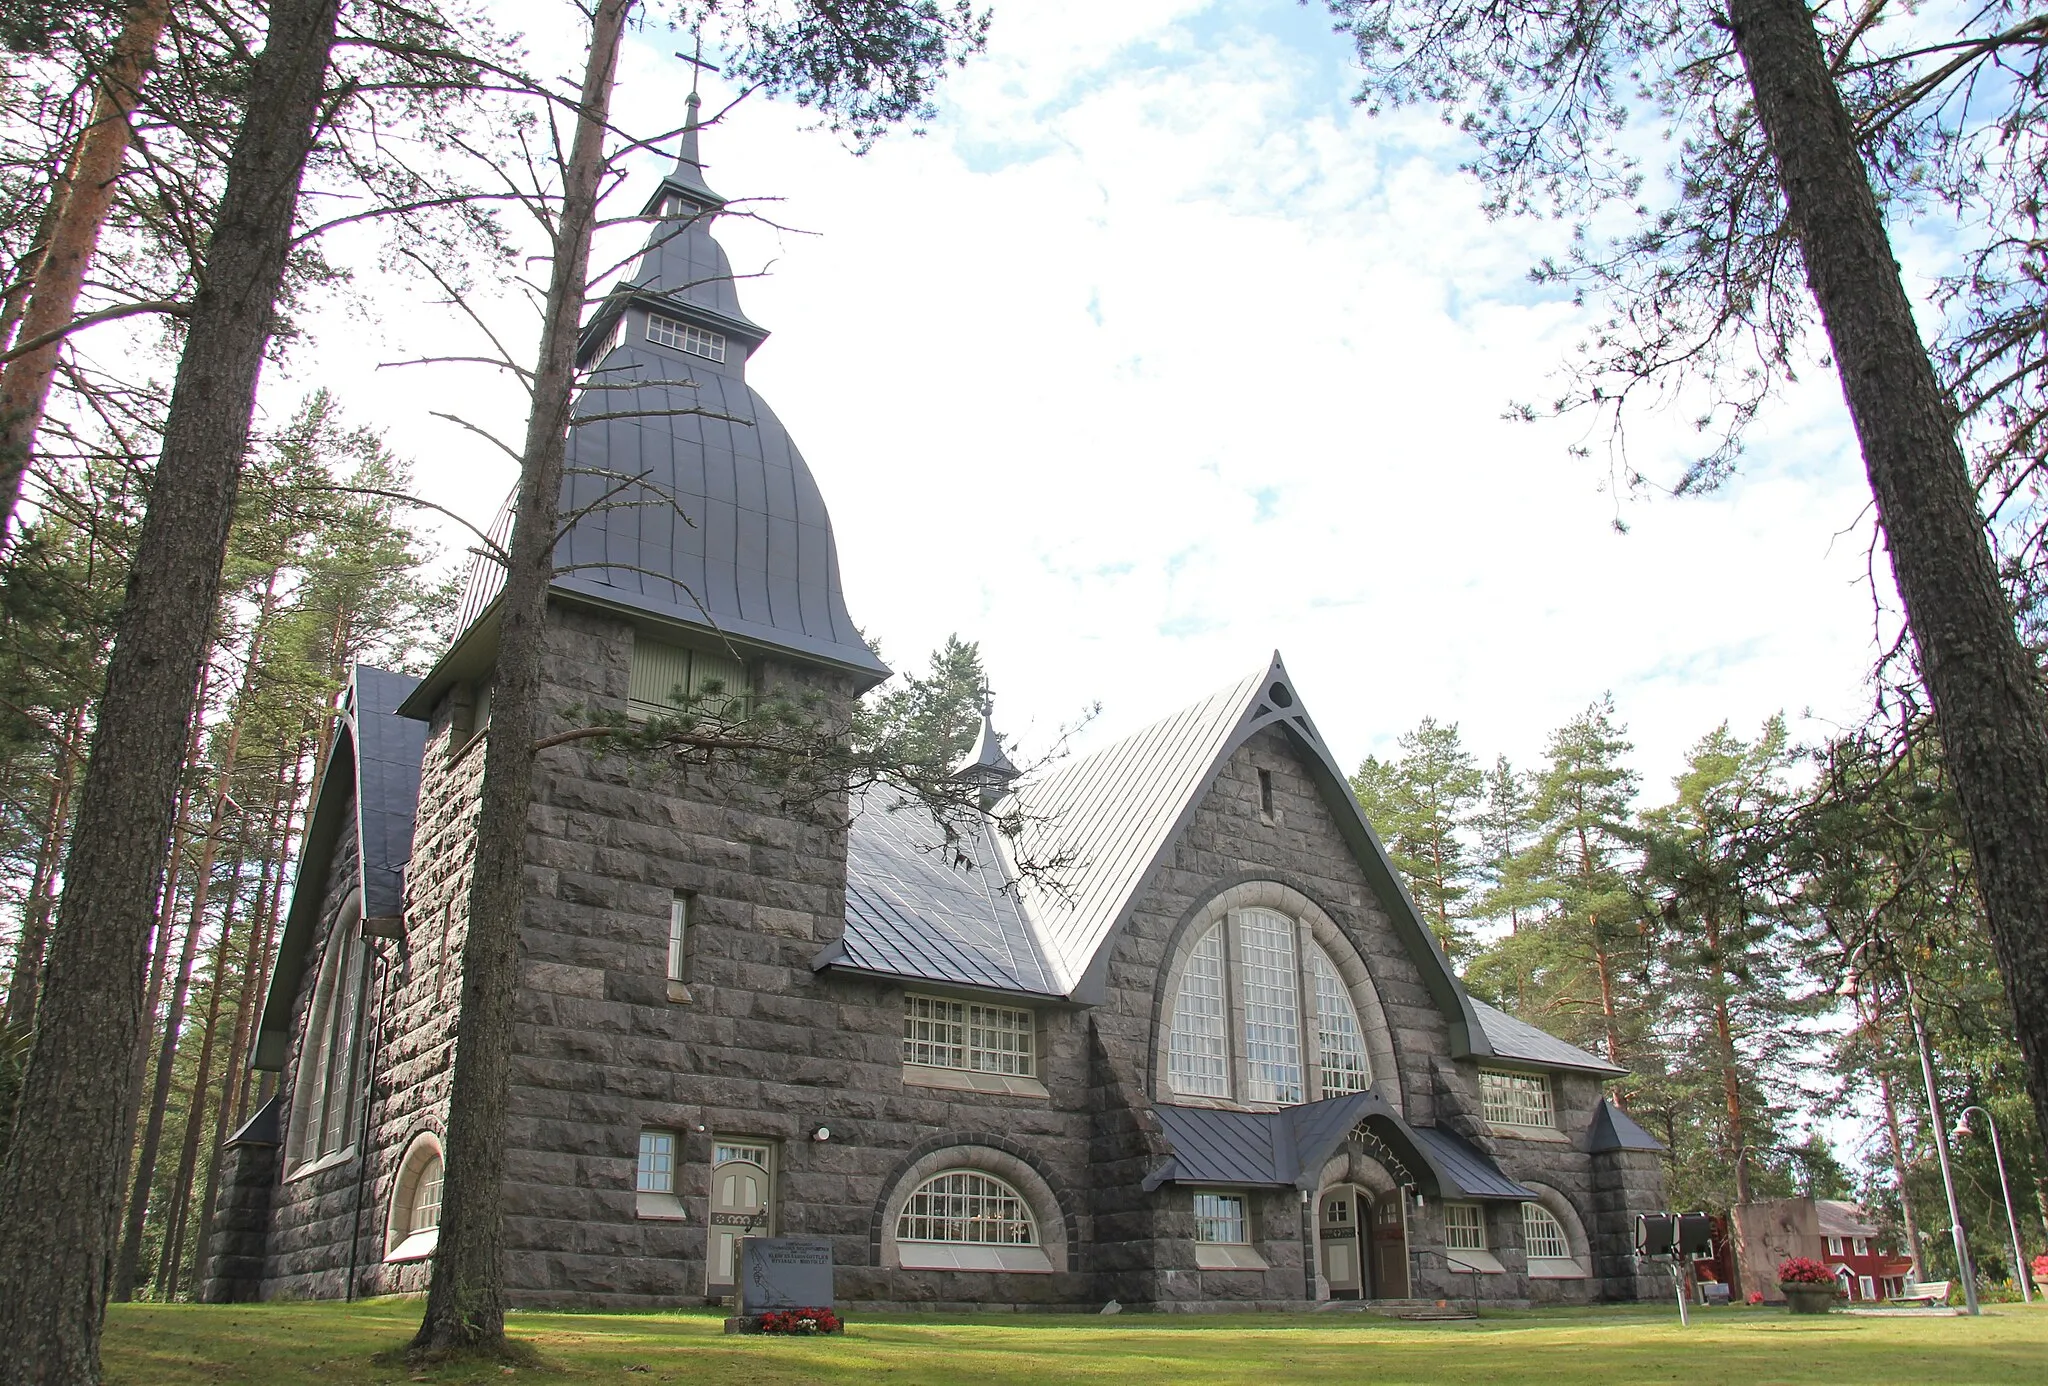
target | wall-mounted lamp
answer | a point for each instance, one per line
(823, 1133)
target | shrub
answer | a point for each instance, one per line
(1804, 1270)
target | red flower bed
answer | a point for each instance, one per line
(1804, 1270)
(800, 1321)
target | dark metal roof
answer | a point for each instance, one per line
(1518, 1040)
(924, 910)
(372, 769)
(388, 751)
(1288, 1147)
(1469, 1168)
(266, 1127)
(699, 510)
(1614, 1129)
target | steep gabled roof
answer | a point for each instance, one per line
(1841, 1218)
(371, 778)
(1515, 1039)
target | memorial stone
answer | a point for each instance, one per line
(784, 1273)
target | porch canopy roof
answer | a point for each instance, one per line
(1287, 1149)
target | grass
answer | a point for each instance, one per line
(186, 1345)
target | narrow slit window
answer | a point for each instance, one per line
(678, 938)
(1266, 793)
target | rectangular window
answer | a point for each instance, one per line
(678, 938)
(686, 337)
(657, 1172)
(654, 1177)
(1868, 1290)
(1516, 1099)
(1219, 1218)
(1862, 1247)
(1834, 1246)
(1464, 1228)
(960, 1034)
(671, 681)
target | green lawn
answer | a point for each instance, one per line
(182, 1345)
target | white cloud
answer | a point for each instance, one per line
(1154, 354)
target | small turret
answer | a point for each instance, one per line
(985, 765)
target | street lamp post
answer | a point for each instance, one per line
(1936, 1122)
(2012, 1225)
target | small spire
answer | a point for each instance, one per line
(985, 764)
(689, 170)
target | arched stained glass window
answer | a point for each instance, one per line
(1345, 1065)
(967, 1207)
(1272, 1007)
(327, 1083)
(1198, 1056)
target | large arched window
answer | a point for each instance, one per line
(327, 1083)
(1553, 1238)
(1260, 1006)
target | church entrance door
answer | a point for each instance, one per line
(1390, 1246)
(1342, 1249)
(742, 1199)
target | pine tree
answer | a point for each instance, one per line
(1419, 804)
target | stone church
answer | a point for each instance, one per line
(1220, 1063)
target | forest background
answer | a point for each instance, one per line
(1699, 941)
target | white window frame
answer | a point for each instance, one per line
(1261, 1007)
(1464, 1227)
(663, 330)
(1862, 1246)
(1223, 1232)
(965, 1218)
(1517, 1100)
(1834, 1246)
(679, 938)
(969, 1036)
(654, 1174)
(404, 1238)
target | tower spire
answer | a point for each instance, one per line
(689, 170)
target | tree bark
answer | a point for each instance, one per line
(1992, 715)
(465, 1299)
(87, 194)
(62, 1180)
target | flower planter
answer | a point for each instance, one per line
(1809, 1299)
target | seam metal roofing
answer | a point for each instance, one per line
(1516, 1039)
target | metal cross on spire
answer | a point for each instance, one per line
(697, 64)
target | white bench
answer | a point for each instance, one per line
(1928, 1292)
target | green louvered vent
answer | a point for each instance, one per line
(661, 671)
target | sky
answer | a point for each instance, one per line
(1153, 354)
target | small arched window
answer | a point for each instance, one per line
(328, 1083)
(415, 1223)
(1553, 1249)
(1297, 1035)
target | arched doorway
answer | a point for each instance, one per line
(1362, 1242)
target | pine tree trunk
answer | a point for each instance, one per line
(1898, 1147)
(74, 234)
(465, 1299)
(62, 1180)
(27, 977)
(1988, 703)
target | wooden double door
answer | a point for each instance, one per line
(1363, 1243)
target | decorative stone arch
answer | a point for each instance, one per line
(1266, 892)
(403, 1241)
(345, 931)
(1566, 1212)
(1052, 1205)
(1351, 1165)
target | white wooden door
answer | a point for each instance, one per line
(740, 1193)
(1338, 1236)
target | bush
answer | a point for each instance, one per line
(800, 1321)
